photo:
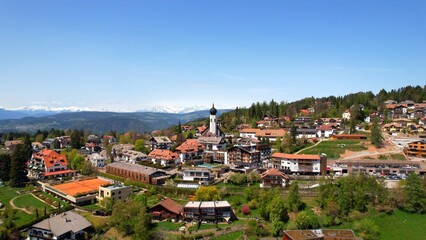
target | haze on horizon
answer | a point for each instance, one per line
(129, 55)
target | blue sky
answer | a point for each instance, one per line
(124, 55)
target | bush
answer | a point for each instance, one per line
(252, 204)
(245, 210)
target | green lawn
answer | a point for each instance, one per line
(167, 226)
(29, 202)
(399, 225)
(96, 221)
(231, 236)
(333, 148)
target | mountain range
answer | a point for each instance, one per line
(96, 122)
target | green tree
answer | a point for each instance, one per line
(132, 218)
(140, 146)
(376, 134)
(293, 134)
(77, 139)
(277, 209)
(294, 201)
(18, 168)
(277, 228)
(208, 193)
(367, 229)
(5, 161)
(278, 145)
(305, 220)
(414, 195)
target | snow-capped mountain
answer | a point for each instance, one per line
(36, 108)
(172, 109)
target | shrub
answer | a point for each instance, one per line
(245, 210)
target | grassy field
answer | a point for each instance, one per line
(333, 148)
(96, 221)
(231, 236)
(30, 203)
(167, 226)
(399, 225)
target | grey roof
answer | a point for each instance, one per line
(207, 205)
(212, 140)
(193, 205)
(63, 223)
(222, 204)
(162, 139)
(134, 168)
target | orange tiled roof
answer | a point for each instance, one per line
(51, 157)
(296, 156)
(190, 145)
(273, 172)
(163, 154)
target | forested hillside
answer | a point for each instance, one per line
(331, 106)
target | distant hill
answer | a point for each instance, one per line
(100, 122)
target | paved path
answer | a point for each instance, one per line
(12, 204)
(310, 146)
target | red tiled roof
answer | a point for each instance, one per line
(170, 205)
(325, 127)
(296, 156)
(273, 172)
(58, 173)
(51, 157)
(163, 154)
(190, 145)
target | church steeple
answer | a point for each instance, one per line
(213, 110)
(213, 123)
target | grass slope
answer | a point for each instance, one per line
(333, 148)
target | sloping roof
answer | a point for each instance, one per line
(51, 157)
(265, 132)
(273, 172)
(63, 223)
(325, 128)
(10, 143)
(161, 139)
(134, 168)
(170, 205)
(190, 145)
(212, 140)
(297, 156)
(163, 154)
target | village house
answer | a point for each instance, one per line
(308, 164)
(67, 225)
(273, 178)
(215, 211)
(116, 192)
(346, 115)
(325, 131)
(137, 172)
(96, 160)
(132, 156)
(166, 209)
(243, 157)
(49, 164)
(416, 149)
(254, 144)
(270, 134)
(306, 132)
(162, 142)
(201, 175)
(190, 149)
(164, 157)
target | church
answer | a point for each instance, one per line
(213, 130)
